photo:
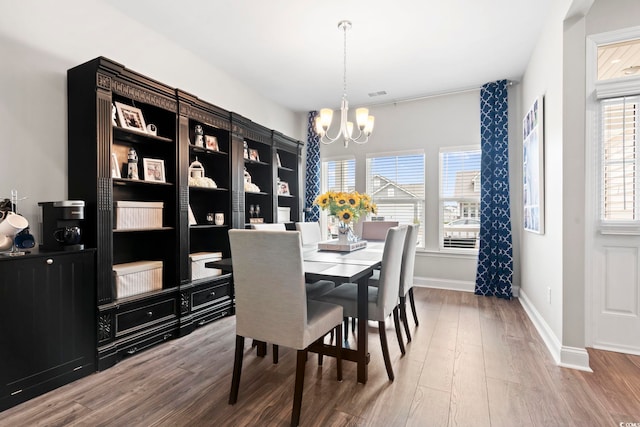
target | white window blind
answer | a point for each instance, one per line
(339, 175)
(460, 197)
(396, 184)
(619, 145)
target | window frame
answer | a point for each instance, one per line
(423, 201)
(462, 200)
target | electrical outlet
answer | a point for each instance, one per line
(549, 295)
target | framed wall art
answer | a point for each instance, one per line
(130, 117)
(533, 167)
(153, 170)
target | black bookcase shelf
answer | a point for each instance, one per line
(123, 325)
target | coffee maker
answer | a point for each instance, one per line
(61, 225)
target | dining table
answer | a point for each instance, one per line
(355, 266)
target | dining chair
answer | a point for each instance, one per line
(376, 230)
(310, 232)
(268, 226)
(406, 278)
(382, 299)
(272, 305)
(314, 289)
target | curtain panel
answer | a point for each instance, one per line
(312, 175)
(494, 275)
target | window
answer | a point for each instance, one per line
(619, 150)
(396, 184)
(460, 197)
(337, 175)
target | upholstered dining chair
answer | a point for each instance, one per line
(310, 232)
(272, 305)
(383, 299)
(406, 278)
(376, 230)
(268, 226)
(314, 289)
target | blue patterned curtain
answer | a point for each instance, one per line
(312, 177)
(495, 259)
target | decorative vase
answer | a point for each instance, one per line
(345, 233)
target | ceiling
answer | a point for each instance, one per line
(291, 51)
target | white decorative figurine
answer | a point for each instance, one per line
(132, 164)
(199, 136)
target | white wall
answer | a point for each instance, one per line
(40, 40)
(428, 124)
(541, 255)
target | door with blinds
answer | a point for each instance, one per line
(613, 260)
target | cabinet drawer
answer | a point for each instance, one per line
(146, 315)
(210, 295)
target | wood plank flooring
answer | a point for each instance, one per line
(473, 361)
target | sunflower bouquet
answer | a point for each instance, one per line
(347, 207)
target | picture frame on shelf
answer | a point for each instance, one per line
(153, 170)
(283, 188)
(278, 160)
(211, 143)
(130, 117)
(115, 166)
(192, 217)
(253, 155)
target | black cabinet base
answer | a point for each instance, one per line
(20, 396)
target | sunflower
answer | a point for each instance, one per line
(353, 199)
(345, 216)
(323, 200)
(342, 200)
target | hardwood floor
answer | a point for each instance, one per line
(473, 361)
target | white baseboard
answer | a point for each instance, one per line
(452, 285)
(567, 357)
(617, 348)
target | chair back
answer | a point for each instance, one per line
(376, 230)
(408, 259)
(277, 226)
(389, 284)
(268, 275)
(309, 232)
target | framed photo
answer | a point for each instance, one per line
(253, 154)
(283, 188)
(211, 143)
(153, 170)
(278, 160)
(533, 167)
(115, 166)
(130, 117)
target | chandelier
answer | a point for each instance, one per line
(363, 119)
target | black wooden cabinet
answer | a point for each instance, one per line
(47, 322)
(99, 146)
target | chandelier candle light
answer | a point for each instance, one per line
(363, 119)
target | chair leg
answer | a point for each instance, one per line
(346, 328)
(275, 354)
(385, 350)
(403, 317)
(413, 306)
(339, 351)
(261, 348)
(353, 324)
(396, 323)
(299, 385)
(237, 370)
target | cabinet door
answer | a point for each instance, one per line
(47, 322)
